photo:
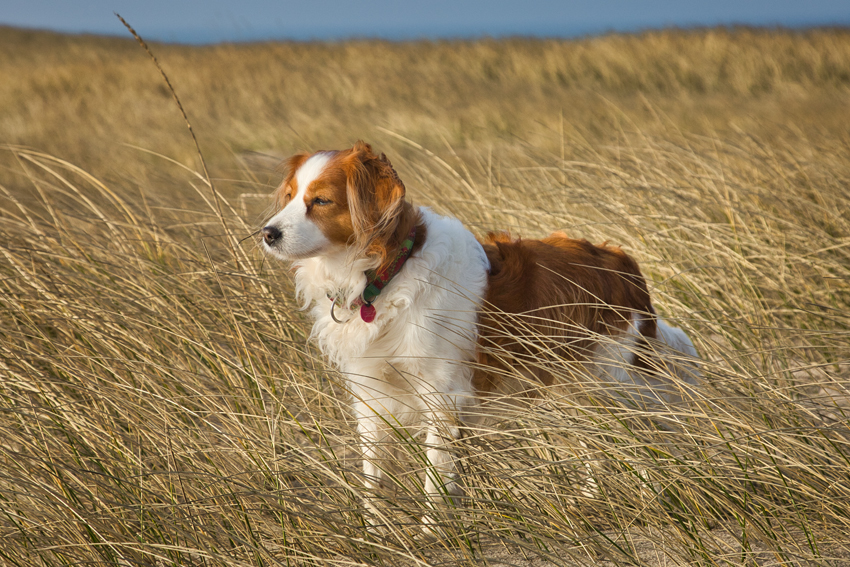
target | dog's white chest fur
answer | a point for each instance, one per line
(425, 330)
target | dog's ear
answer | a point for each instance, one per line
(375, 198)
(389, 189)
(375, 192)
(391, 173)
(362, 148)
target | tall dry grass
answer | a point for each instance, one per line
(161, 404)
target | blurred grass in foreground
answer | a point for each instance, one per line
(160, 402)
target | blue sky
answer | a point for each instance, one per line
(205, 21)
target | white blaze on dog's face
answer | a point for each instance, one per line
(314, 210)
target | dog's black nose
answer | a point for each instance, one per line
(271, 234)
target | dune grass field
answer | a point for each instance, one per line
(161, 403)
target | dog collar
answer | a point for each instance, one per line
(376, 281)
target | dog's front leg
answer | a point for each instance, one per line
(441, 471)
(442, 430)
(371, 427)
(445, 393)
(441, 478)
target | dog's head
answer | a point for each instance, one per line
(350, 199)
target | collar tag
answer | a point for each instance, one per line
(367, 312)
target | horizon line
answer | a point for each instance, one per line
(193, 37)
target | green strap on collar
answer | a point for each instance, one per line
(377, 281)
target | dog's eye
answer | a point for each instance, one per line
(320, 201)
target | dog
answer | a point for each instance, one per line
(425, 320)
